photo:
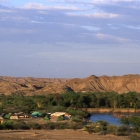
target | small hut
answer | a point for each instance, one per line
(57, 114)
(1, 120)
(21, 115)
(61, 115)
(13, 117)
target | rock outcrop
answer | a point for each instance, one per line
(42, 86)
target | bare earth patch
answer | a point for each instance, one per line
(54, 135)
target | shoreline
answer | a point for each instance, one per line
(112, 110)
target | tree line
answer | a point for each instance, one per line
(66, 100)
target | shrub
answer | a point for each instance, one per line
(76, 118)
(101, 125)
(60, 118)
(135, 122)
(75, 112)
(135, 137)
(62, 126)
(8, 124)
(49, 125)
(1, 127)
(123, 130)
(46, 118)
(111, 129)
(125, 120)
(90, 128)
(77, 125)
(19, 124)
(33, 125)
(56, 109)
(56, 125)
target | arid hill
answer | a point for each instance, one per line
(31, 86)
(120, 84)
(39, 86)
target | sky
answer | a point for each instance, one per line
(69, 38)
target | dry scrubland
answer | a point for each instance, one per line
(38, 86)
(55, 135)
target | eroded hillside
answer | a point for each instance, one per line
(120, 84)
(38, 86)
(32, 86)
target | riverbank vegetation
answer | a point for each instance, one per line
(100, 127)
(73, 104)
(59, 102)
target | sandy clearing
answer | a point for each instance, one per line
(54, 135)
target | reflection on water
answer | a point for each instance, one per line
(110, 118)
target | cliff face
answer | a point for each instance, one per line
(38, 86)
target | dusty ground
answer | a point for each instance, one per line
(54, 135)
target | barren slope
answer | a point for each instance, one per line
(120, 84)
(34, 86)
(31, 86)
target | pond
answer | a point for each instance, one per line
(110, 118)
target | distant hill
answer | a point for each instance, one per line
(39, 86)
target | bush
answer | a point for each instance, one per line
(55, 109)
(19, 124)
(135, 122)
(101, 125)
(90, 128)
(8, 124)
(75, 112)
(125, 120)
(56, 125)
(123, 130)
(46, 118)
(135, 137)
(34, 126)
(62, 126)
(60, 118)
(1, 127)
(111, 129)
(49, 125)
(76, 118)
(76, 126)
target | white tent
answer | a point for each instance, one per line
(57, 114)
(14, 118)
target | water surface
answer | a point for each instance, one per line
(110, 118)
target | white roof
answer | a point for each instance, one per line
(14, 117)
(58, 114)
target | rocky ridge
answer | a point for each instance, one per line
(42, 86)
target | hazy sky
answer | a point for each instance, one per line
(69, 38)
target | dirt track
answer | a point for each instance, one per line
(54, 135)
